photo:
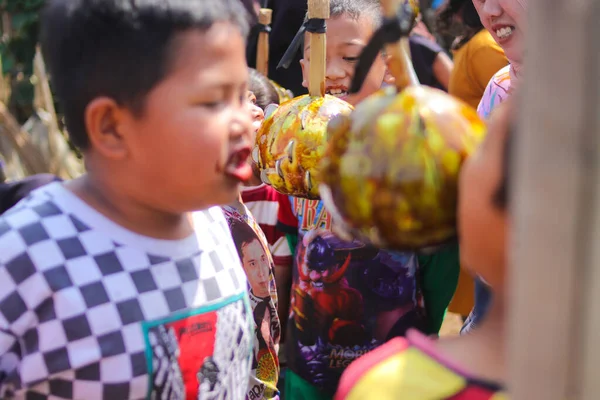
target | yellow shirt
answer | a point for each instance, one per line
(474, 65)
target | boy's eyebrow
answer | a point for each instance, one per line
(353, 42)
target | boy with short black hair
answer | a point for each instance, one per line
(109, 286)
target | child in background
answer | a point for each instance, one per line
(263, 201)
(110, 287)
(506, 21)
(468, 367)
(256, 239)
(348, 298)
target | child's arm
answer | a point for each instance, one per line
(439, 272)
(442, 69)
(283, 279)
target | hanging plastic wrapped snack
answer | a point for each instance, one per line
(390, 174)
(293, 138)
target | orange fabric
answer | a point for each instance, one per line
(474, 65)
(464, 297)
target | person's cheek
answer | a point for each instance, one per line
(258, 116)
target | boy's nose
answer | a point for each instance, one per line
(334, 70)
(257, 113)
(492, 8)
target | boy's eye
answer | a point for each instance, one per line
(211, 104)
(351, 60)
(251, 98)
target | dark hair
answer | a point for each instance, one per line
(501, 195)
(355, 9)
(471, 23)
(263, 89)
(242, 234)
(119, 48)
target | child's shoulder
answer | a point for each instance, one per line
(35, 218)
(411, 367)
(496, 92)
(502, 77)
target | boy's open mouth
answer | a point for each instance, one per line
(237, 165)
(504, 32)
(339, 92)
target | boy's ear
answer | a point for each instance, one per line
(305, 73)
(104, 120)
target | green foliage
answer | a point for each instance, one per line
(17, 49)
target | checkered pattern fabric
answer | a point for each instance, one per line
(76, 290)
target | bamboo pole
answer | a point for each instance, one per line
(45, 101)
(265, 16)
(29, 155)
(318, 49)
(554, 278)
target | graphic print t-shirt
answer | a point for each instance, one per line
(495, 93)
(90, 310)
(257, 262)
(347, 298)
(264, 202)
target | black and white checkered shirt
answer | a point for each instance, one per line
(90, 310)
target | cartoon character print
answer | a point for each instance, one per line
(347, 298)
(322, 297)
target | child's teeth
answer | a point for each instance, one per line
(504, 32)
(337, 92)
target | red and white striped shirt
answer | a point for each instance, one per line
(263, 202)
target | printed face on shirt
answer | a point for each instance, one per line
(482, 223)
(505, 20)
(256, 265)
(346, 38)
(193, 137)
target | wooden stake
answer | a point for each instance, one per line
(554, 279)
(31, 158)
(46, 102)
(318, 49)
(400, 63)
(265, 16)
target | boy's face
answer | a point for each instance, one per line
(258, 115)
(189, 148)
(482, 225)
(256, 265)
(346, 38)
